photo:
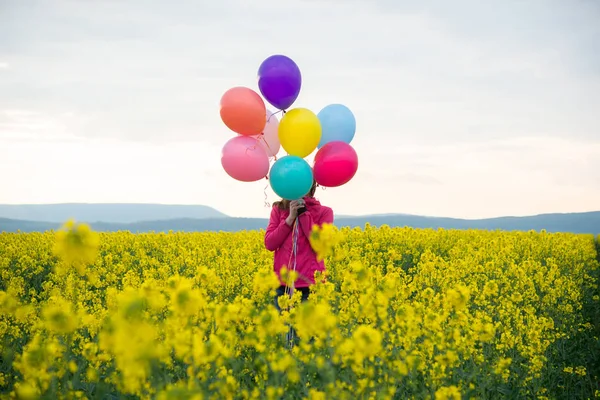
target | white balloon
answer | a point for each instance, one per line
(269, 140)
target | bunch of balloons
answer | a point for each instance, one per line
(260, 135)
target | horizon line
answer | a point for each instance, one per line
(226, 216)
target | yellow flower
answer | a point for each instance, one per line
(315, 320)
(448, 393)
(458, 297)
(9, 304)
(324, 239)
(72, 366)
(27, 392)
(91, 375)
(367, 342)
(502, 367)
(314, 394)
(184, 298)
(59, 316)
(448, 359)
(289, 277)
(490, 288)
(487, 332)
(76, 244)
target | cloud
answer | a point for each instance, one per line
(18, 125)
(159, 71)
(4, 65)
(418, 179)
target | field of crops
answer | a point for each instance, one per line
(402, 314)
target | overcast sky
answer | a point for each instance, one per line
(464, 108)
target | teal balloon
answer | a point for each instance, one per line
(291, 177)
(337, 124)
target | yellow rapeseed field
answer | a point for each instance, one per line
(403, 313)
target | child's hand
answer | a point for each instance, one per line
(294, 206)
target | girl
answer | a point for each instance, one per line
(292, 221)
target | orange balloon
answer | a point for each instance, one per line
(243, 111)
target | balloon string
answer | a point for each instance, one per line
(251, 148)
(262, 136)
(265, 192)
(276, 112)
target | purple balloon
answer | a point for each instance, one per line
(279, 81)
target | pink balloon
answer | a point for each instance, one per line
(244, 159)
(335, 164)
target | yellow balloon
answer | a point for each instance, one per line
(299, 132)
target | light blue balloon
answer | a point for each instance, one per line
(291, 177)
(337, 124)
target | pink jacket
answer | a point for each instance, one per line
(278, 238)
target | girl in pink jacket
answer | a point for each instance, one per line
(291, 223)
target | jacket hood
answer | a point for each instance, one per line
(312, 202)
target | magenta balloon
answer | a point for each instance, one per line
(335, 164)
(244, 159)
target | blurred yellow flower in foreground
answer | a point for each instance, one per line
(27, 392)
(76, 244)
(323, 239)
(59, 317)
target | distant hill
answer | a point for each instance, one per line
(14, 225)
(113, 213)
(574, 222)
(588, 222)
